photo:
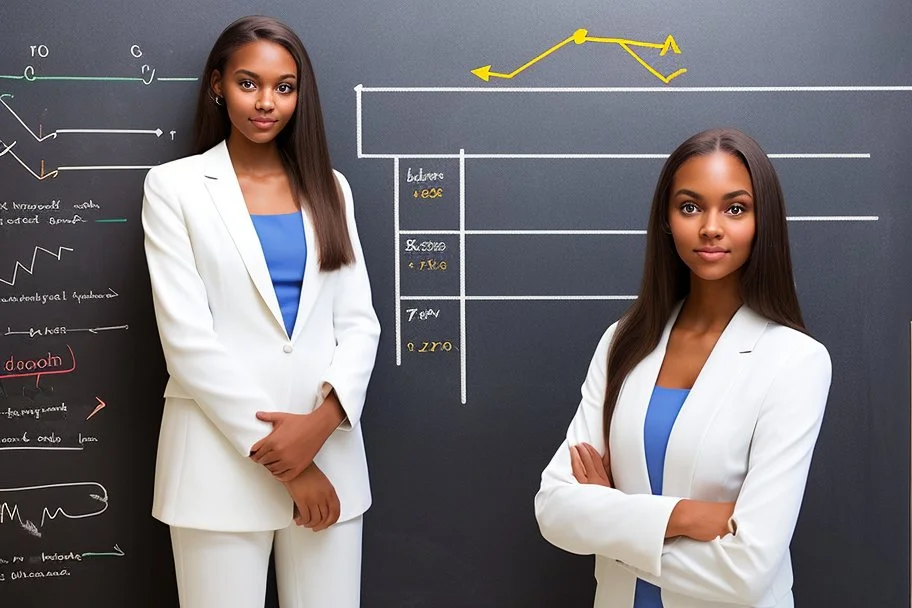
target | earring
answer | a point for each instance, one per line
(219, 100)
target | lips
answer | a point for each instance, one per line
(263, 123)
(711, 254)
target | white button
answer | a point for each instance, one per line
(287, 348)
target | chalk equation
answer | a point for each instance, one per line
(146, 73)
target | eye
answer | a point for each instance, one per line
(247, 85)
(285, 88)
(689, 208)
(737, 209)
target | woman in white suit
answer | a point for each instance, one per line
(264, 310)
(684, 467)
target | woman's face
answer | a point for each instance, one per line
(711, 214)
(260, 90)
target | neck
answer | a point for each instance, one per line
(248, 157)
(711, 304)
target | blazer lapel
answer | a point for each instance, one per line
(727, 361)
(223, 186)
(628, 454)
(313, 278)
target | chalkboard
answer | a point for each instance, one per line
(502, 157)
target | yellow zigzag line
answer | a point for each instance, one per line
(581, 37)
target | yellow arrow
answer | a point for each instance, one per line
(581, 36)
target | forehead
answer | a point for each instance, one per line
(262, 56)
(716, 171)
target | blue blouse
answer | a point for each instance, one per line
(663, 409)
(285, 249)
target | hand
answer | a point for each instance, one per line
(589, 467)
(700, 520)
(316, 503)
(296, 438)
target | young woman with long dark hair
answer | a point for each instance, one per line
(264, 310)
(684, 467)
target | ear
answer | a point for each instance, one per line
(215, 82)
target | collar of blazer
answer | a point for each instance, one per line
(728, 360)
(223, 186)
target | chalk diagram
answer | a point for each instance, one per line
(581, 37)
(73, 501)
(7, 148)
(147, 76)
(373, 107)
(30, 268)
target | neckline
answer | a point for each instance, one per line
(290, 213)
(672, 390)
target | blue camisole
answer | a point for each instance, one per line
(661, 414)
(285, 249)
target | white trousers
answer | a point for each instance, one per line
(228, 569)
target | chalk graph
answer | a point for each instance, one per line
(90, 501)
(40, 137)
(581, 37)
(452, 96)
(30, 269)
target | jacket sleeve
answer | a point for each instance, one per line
(592, 519)
(740, 567)
(355, 326)
(195, 358)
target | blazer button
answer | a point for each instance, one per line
(287, 348)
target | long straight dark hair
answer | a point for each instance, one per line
(302, 143)
(767, 286)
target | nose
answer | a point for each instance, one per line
(265, 102)
(712, 227)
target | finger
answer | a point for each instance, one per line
(262, 452)
(307, 516)
(595, 458)
(598, 465)
(287, 475)
(256, 446)
(280, 472)
(586, 458)
(272, 459)
(576, 465)
(270, 416)
(318, 511)
(336, 509)
(332, 515)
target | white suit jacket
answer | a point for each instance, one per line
(229, 356)
(745, 433)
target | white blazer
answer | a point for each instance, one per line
(745, 433)
(228, 354)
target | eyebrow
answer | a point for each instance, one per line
(255, 75)
(729, 196)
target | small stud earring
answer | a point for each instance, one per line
(219, 100)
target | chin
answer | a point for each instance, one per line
(715, 274)
(260, 138)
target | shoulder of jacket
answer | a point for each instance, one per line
(792, 343)
(180, 166)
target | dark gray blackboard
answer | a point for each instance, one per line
(452, 522)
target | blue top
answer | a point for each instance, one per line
(661, 414)
(285, 249)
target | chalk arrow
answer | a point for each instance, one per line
(118, 552)
(484, 72)
(581, 36)
(101, 405)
